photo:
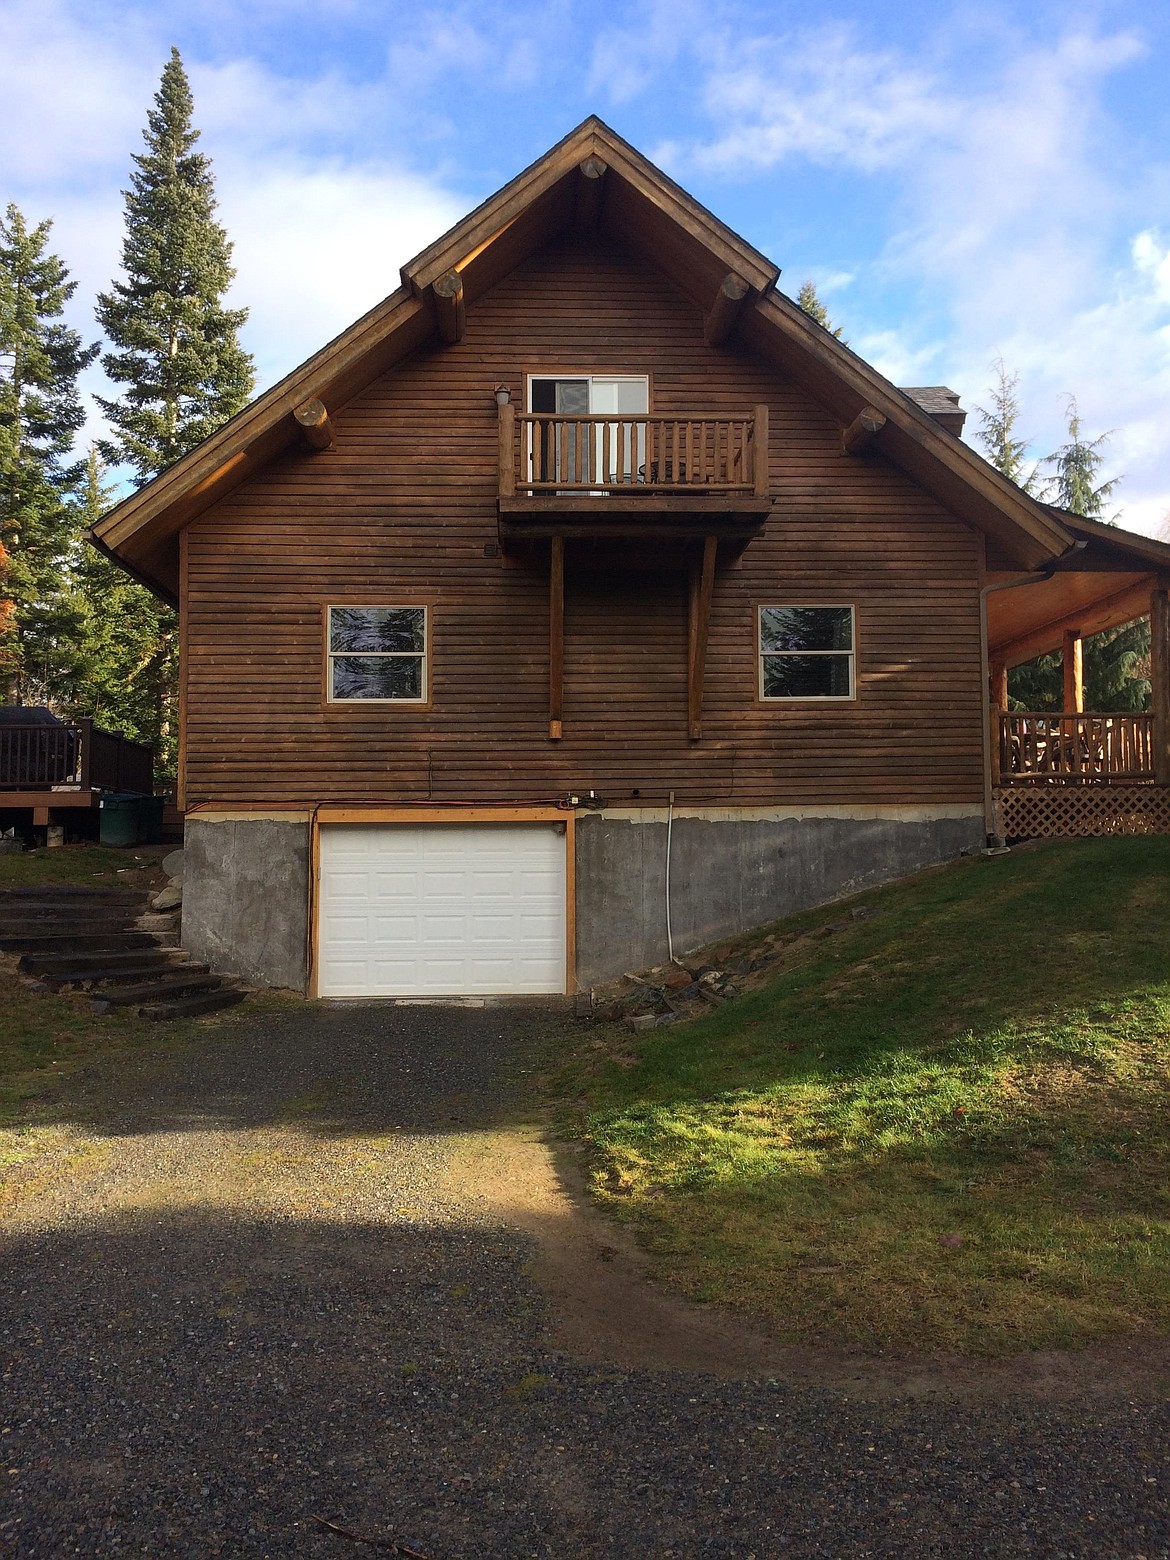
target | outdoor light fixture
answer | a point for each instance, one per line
(503, 395)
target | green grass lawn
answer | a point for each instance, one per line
(946, 1129)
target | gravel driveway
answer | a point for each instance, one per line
(260, 1294)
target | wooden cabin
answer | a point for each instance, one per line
(586, 601)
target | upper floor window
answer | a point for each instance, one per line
(570, 451)
(807, 653)
(377, 653)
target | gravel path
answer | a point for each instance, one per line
(261, 1297)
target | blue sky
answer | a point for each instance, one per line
(963, 181)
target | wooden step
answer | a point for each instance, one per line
(52, 963)
(68, 894)
(161, 990)
(71, 920)
(190, 1007)
(72, 942)
(117, 972)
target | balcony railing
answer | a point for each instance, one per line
(79, 757)
(1074, 749)
(700, 454)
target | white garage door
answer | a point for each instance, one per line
(449, 909)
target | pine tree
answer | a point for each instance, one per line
(1117, 660)
(175, 345)
(129, 638)
(809, 300)
(40, 414)
(997, 430)
(177, 353)
(1077, 466)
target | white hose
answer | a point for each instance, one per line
(669, 827)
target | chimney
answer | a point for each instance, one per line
(940, 403)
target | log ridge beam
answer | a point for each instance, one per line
(316, 429)
(590, 195)
(861, 432)
(450, 308)
(725, 311)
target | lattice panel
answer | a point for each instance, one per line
(1046, 812)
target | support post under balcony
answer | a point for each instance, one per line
(556, 638)
(698, 630)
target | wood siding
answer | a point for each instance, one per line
(401, 508)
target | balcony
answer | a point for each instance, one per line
(51, 768)
(633, 478)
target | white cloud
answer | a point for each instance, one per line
(316, 246)
(1009, 205)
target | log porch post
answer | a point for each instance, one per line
(1072, 660)
(1160, 683)
(999, 704)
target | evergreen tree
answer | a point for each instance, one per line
(174, 344)
(809, 301)
(1077, 466)
(997, 430)
(129, 639)
(40, 413)
(1116, 661)
(176, 352)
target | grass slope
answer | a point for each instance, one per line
(946, 1130)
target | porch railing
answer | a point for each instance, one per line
(701, 453)
(1072, 748)
(79, 756)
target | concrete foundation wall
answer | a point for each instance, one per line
(245, 898)
(731, 873)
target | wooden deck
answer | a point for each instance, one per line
(1060, 775)
(51, 768)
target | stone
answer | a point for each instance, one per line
(99, 1007)
(172, 864)
(641, 1021)
(677, 979)
(168, 898)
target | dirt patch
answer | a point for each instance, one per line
(606, 1308)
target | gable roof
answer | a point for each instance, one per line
(592, 176)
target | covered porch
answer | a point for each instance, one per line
(1075, 771)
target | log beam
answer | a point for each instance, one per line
(556, 638)
(316, 429)
(1072, 661)
(590, 195)
(725, 311)
(450, 308)
(864, 428)
(698, 629)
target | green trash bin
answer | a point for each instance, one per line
(152, 819)
(120, 821)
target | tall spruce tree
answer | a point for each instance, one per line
(127, 633)
(809, 300)
(40, 414)
(1116, 661)
(997, 430)
(176, 351)
(174, 345)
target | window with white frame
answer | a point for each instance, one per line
(377, 653)
(807, 652)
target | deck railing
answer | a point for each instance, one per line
(1072, 748)
(703, 453)
(79, 756)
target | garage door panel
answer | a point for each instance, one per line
(441, 910)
